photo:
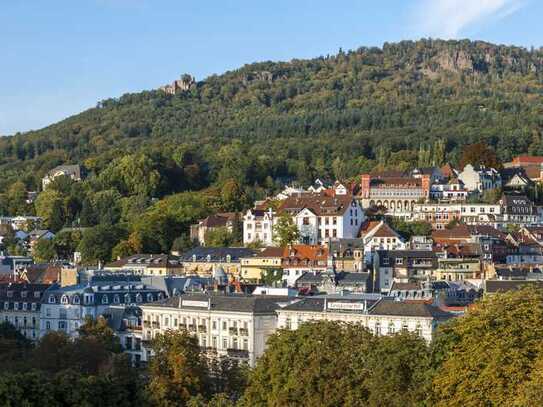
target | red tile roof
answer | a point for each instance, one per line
(305, 252)
(460, 232)
(527, 159)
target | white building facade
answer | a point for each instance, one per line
(66, 308)
(382, 316)
(233, 326)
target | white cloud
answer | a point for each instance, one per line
(451, 18)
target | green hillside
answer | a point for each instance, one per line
(405, 104)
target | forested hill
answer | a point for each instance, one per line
(296, 119)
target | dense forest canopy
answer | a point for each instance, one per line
(235, 137)
(294, 118)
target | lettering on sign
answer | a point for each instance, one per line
(351, 306)
(192, 303)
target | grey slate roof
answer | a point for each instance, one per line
(174, 285)
(226, 302)
(408, 309)
(494, 286)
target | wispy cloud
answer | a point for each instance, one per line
(451, 18)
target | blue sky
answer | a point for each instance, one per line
(59, 57)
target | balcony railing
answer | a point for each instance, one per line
(244, 332)
(233, 331)
(155, 324)
(202, 328)
(237, 353)
(147, 324)
(192, 328)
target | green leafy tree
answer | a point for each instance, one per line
(319, 364)
(285, 231)
(99, 330)
(49, 206)
(177, 371)
(16, 199)
(44, 251)
(219, 237)
(489, 353)
(97, 243)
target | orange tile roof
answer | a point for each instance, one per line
(528, 159)
(306, 252)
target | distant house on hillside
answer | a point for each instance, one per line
(213, 222)
(71, 171)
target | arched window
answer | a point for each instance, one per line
(160, 296)
(391, 328)
(64, 299)
(75, 299)
(138, 297)
(116, 299)
(149, 297)
(127, 298)
(105, 299)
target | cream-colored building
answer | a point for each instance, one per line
(204, 261)
(382, 316)
(235, 326)
(254, 267)
(458, 269)
(148, 265)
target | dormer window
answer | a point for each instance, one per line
(64, 299)
(127, 298)
(76, 299)
(37, 294)
(116, 299)
(105, 299)
(160, 296)
(10, 294)
(149, 297)
(51, 299)
(138, 297)
(194, 258)
(23, 294)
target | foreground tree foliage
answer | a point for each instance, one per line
(59, 371)
(492, 356)
(337, 364)
(177, 371)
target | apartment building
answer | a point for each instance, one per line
(20, 305)
(382, 316)
(235, 326)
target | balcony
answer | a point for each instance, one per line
(155, 324)
(233, 331)
(237, 353)
(191, 328)
(202, 328)
(147, 324)
(244, 332)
